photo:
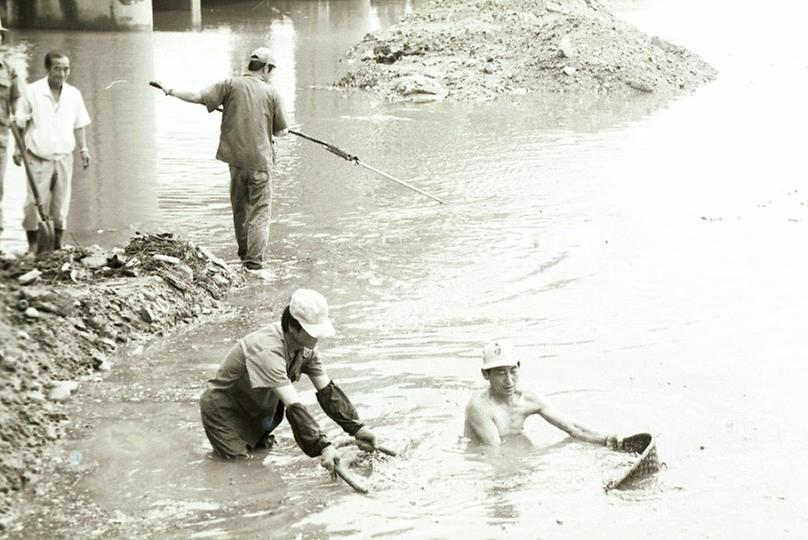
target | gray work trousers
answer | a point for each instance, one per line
(251, 199)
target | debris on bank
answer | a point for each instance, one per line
(65, 313)
(477, 50)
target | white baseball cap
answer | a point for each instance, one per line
(499, 353)
(265, 55)
(311, 310)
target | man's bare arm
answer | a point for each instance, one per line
(480, 426)
(320, 381)
(287, 394)
(191, 96)
(574, 429)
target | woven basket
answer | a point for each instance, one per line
(646, 464)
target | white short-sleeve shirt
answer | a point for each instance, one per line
(52, 123)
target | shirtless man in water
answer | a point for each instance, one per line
(502, 409)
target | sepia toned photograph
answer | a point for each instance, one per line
(403, 269)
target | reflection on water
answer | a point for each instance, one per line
(153, 158)
(644, 256)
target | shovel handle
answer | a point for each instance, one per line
(378, 448)
(27, 166)
(385, 450)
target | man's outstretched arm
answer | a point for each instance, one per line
(191, 96)
(574, 429)
(480, 426)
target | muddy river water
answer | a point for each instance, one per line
(648, 258)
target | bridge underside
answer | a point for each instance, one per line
(93, 14)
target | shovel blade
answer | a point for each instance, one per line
(45, 236)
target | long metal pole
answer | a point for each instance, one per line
(341, 153)
(402, 182)
(350, 157)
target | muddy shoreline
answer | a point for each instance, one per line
(67, 316)
(479, 50)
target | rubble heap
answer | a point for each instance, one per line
(469, 50)
(64, 312)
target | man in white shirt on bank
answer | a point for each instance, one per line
(55, 118)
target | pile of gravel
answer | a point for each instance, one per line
(66, 313)
(477, 50)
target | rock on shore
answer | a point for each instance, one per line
(477, 50)
(65, 313)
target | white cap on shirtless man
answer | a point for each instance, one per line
(502, 408)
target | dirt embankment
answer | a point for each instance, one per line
(477, 50)
(61, 317)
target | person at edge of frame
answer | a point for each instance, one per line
(11, 89)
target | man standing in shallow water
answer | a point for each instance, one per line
(502, 409)
(252, 115)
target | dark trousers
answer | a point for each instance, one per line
(251, 199)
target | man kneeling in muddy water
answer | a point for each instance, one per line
(245, 401)
(501, 410)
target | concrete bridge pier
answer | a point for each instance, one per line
(194, 6)
(81, 14)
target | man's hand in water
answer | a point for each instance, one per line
(366, 439)
(329, 458)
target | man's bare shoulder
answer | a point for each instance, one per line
(534, 400)
(478, 401)
(479, 406)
